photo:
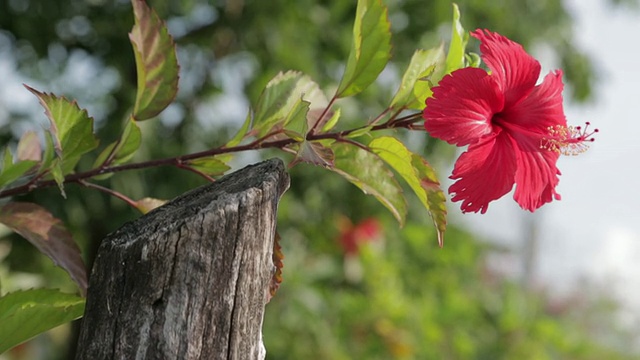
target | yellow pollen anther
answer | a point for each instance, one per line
(567, 140)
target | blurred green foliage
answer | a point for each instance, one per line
(418, 302)
(413, 301)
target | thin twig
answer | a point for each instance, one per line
(195, 171)
(114, 193)
(355, 143)
(402, 122)
(324, 113)
(380, 116)
(32, 183)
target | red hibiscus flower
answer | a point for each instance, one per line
(515, 129)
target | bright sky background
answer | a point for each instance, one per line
(594, 231)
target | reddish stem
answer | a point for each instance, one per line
(403, 122)
(324, 113)
(196, 171)
(114, 193)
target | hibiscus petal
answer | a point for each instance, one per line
(516, 71)
(536, 175)
(462, 105)
(541, 109)
(485, 172)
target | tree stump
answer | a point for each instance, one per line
(190, 279)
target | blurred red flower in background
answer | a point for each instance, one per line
(352, 236)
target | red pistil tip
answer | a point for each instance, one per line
(568, 140)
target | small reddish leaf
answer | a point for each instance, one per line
(49, 235)
(277, 257)
(147, 204)
(156, 62)
(29, 147)
(314, 153)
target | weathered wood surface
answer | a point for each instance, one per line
(189, 280)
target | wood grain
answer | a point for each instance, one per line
(190, 279)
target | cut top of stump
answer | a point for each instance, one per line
(267, 175)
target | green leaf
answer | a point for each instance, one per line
(209, 165)
(425, 69)
(11, 172)
(331, 123)
(237, 139)
(156, 62)
(394, 153)
(459, 38)
(49, 152)
(302, 117)
(359, 132)
(273, 105)
(48, 234)
(129, 143)
(371, 48)
(418, 175)
(25, 314)
(281, 97)
(295, 122)
(436, 198)
(51, 163)
(71, 129)
(7, 159)
(422, 90)
(101, 160)
(120, 151)
(473, 59)
(57, 174)
(368, 172)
